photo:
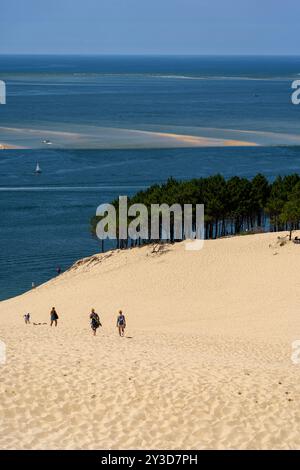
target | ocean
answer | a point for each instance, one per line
(91, 106)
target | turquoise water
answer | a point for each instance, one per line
(45, 219)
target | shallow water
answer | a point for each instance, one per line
(99, 101)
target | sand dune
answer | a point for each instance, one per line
(7, 147)
(206, 362)
(93, 137)
(97, 137)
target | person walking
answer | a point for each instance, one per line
(121, 323)
(53, 317)
(95, 321)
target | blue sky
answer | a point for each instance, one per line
(149, 26)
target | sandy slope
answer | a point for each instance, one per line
(206, 362)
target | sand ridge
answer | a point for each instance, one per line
(206, 362)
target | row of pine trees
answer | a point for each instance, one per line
(232, 207)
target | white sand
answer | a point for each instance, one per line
(111, 138)
(206, 362)
(7, 147)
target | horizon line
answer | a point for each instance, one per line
(146, 54)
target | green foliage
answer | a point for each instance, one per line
(290, 213)
(233, 206)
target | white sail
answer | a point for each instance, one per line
(38, 168)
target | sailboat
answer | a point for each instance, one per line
(38, 170)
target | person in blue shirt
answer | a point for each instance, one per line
(121, 323)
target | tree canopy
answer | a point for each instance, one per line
(233, 206)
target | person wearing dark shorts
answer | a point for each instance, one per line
(121, 323)
(53, 317)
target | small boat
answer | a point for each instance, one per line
(38, 170)
(47, 142)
